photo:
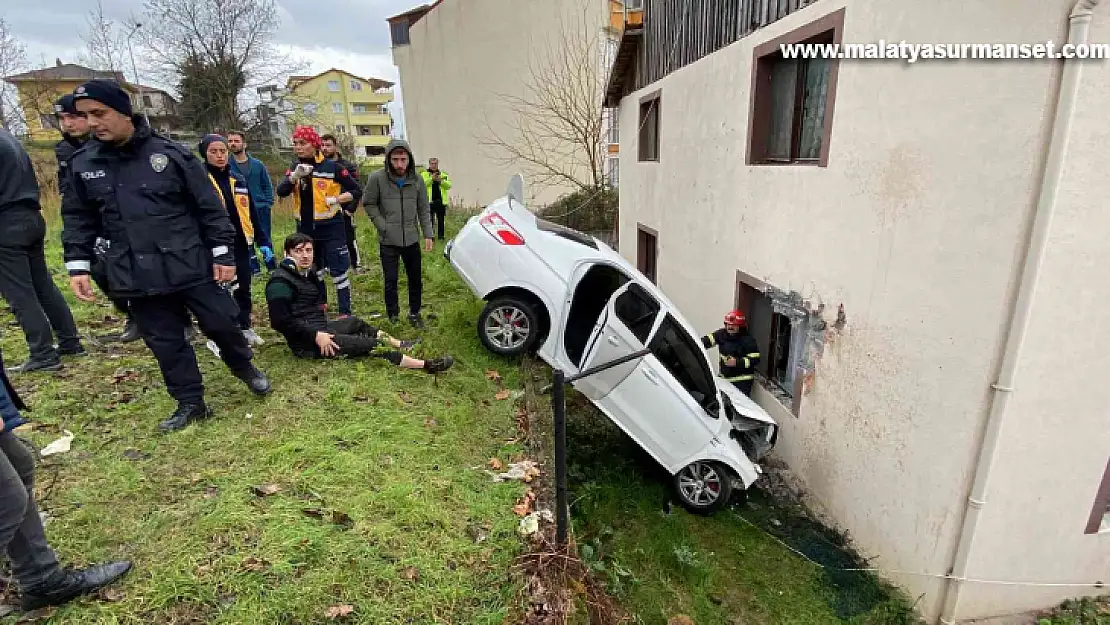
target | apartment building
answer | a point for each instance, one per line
(464, 64)
(920, 249)
(340, 102)
(38, 89)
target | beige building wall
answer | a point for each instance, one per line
(917, 226)
(463, 57)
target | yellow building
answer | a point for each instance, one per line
(38, 89)
(342, 103)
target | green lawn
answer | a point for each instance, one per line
(382, 501)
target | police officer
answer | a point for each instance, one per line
(75, 131)
(738, 349)
(169, 243)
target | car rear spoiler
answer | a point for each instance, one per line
(515, 192)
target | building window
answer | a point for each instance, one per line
(1100, 515)
(309, 108)
(375, 150)
(613, 175)
(147, 102)
(333, 85)
(356, 85)
(337, 108)
(779, 329)
(275, 128)
(791, 109)
(649, 128)
(647, 251)
(399, 33)
(359, 108)
(612, 120)
(383, 109)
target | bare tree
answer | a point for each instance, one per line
(13, 60)
(556, 129)
(105, 41)
(213, 51)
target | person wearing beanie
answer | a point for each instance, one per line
(322, 188)
(25, 282)
(75, 131)
(236, 197)
(170, 244)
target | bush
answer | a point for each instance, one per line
(592, 210)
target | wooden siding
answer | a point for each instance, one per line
(679, 32)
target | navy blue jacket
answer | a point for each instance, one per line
(259, 183)
(18, 187)
(63, 151)
(152, 200)
(10, 403)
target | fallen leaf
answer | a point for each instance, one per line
(493, 376)
(111, 594)
(524, 507)
(266, 490)
(430, 422)
(478, 533)
(410, 573)
(315, 513)
(341, 518)
(255, 564)
(496, 464)
(502, 395)
(133, 454)
(203, 569)
(211, 492)
(125, 375)
(681, 619)
(339, 611)
(405, 397)
(361, 398)
(193, 481)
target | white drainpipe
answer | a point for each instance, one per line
(1078, 29)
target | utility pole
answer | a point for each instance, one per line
(135, 70)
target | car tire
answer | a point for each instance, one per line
(703, 487)
(503, 313)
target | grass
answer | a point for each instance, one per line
(1086, 611)
(388, 463)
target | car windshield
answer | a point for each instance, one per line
(566, 233)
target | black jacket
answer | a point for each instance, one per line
(152, 200)
(63, 151)
(296, 308)
(741, 346)
(19, 190)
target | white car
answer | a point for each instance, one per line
(578, 304)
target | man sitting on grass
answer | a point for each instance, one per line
(299, 313)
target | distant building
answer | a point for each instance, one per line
(161, 109)
(339, 102)
(38, 89)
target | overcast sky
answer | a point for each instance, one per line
(347, 34)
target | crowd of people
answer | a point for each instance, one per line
(168, 236)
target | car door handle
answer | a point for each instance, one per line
(614, 341)
(650, 375)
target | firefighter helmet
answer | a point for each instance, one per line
(736, 318)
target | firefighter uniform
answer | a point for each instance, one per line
(743, 348)
(164, 227)
(324, 222)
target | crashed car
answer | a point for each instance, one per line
(577, 304)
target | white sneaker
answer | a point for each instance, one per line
(252, 338)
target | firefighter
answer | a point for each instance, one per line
(75, 132)
(169, 243)
(322, 188)
(738, 349)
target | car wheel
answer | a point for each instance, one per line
(508, 326)
(703, 487)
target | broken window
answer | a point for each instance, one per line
(590, 298)
(779, 323)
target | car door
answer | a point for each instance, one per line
(642, 395)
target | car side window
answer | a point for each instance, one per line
(637, 310)
(678, 352)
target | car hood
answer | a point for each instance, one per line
(744, 404)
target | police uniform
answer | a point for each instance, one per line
(164, 227)
(323, 222)
(743, 348)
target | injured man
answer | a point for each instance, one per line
(298, 311)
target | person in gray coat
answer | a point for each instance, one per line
(397, 202)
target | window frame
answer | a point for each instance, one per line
(337, 108)
(637, 327)
(652, 103)
(355, 85)
(336, 84)
(1098, 524)
(746, 285)
(827, 29)
(711, 401)
(641, 253)
(354, 108)
(309, 105)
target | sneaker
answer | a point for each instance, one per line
(252, 338)
(37, 365)
(184, 415)
(256, 381)
(415, 320)
(73, 585)
(130, 332)
(77, 350)
(439, 365)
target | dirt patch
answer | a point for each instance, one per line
(558, 588)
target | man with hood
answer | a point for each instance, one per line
(233, 190)
(322, 187)
(169, 243)
(397, 202)
(25, 282)
(75, 131)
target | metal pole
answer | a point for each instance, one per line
(135, 71)
(559, 407)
